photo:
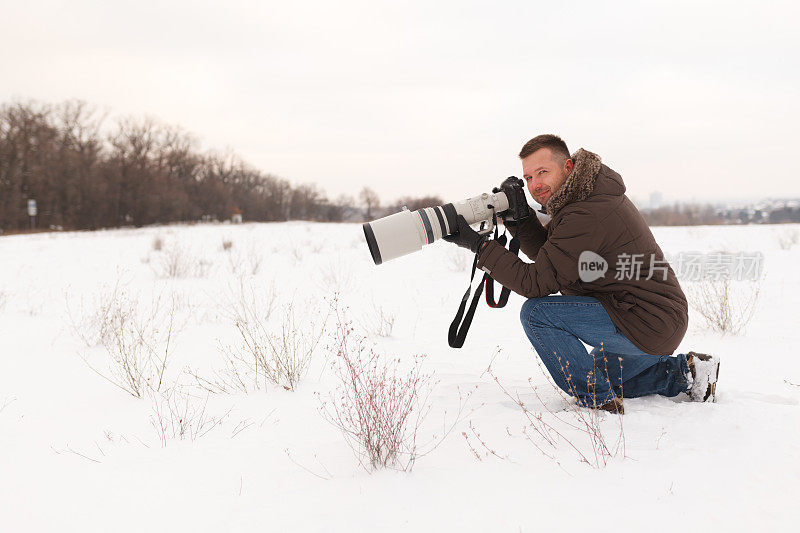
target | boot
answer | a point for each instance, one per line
(614, 406)
(705, 372)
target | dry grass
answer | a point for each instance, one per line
(581, 430)
(726, 306)
(137, 340)
(336, 276)
(378, 321)
(176, 261)
(6, 402)
(177, 416)
(245, 261)
(264, 355)
(91, 322)
(296, 253)
(788, 238)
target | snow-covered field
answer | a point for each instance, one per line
(78, 453)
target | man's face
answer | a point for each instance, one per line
(544, 174)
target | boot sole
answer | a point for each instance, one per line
(712, 388)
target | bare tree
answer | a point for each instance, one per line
(370, 200)
(142, 172)
(413, 203)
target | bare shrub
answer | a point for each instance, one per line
(177, 416)
(245, 261)
(336, 276)
(726, 306)
(378, 321)
(788, 238)
(6, 402)
(158, 243)
(289, 351)
(202, 267)
(34, 308)
(177, 261)
(138, 342)
(264, 356)
(227, 244)
(91, 321)
(236, 376)
(248, 301)
(572, 426)
(297, 253)
(378, 407)
(174, 262)
(481, 449)
(254, 261)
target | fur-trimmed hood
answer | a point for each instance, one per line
(582, 182)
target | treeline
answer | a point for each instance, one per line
(682, 215)
(707, 214)
(139, 172)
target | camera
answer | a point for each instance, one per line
(408, 231)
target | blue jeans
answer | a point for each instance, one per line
(556, 325)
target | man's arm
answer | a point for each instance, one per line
(531, 235)
(556, 263)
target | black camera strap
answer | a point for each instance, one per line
(505, 292)
(458, 329)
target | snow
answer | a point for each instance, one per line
(80, 454)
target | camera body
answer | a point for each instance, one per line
(518, 208)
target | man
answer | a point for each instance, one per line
(618, 294)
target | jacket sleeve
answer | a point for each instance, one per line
(556, 263)
(531, 235)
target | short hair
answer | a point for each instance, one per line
(554, 142)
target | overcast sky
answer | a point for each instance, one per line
(698, 100)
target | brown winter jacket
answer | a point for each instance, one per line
(590, 212)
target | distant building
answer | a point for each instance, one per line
(656, 200)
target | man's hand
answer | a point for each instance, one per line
(465, 236)
(505, 218)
